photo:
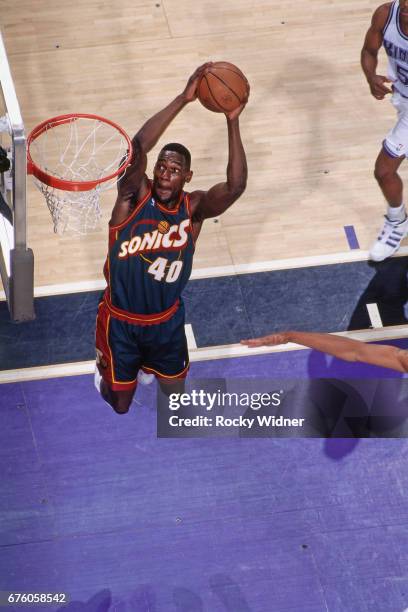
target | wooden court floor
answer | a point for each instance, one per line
(311, 129)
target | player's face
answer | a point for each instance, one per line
(169, 175)
(404, 9)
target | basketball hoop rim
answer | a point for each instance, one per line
(63, 184)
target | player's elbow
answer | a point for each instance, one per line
(237, 188)
(139, 147)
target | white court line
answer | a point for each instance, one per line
(191, 341)
(217, 271)
(374, 314)
(199, 354)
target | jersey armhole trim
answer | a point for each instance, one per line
(397, 21)
(390, 14)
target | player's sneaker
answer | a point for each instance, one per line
(144, 378)
(389, 240)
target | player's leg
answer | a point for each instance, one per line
(119, 400)
(388, 179)
(165, 353)
(169, 387)
(118, 361)
(392, 154)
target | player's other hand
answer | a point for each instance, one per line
(231, 115)
(190, 91)
(272, 340)
(378, 86)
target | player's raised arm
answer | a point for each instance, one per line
(150, 132)
(369, 53)
(211, 203)
(133, 185)
(348, 349)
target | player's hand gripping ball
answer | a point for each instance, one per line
(223, 87)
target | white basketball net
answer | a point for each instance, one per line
(78, 212)
(79, 150)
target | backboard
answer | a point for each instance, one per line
(16, 260)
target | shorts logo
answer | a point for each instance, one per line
(400, 147)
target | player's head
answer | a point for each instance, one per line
(171, 172)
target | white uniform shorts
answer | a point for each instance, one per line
(396, 141)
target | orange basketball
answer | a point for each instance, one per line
(223, 88)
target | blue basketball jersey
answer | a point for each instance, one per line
(150, 258)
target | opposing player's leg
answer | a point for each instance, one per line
(395, 226)
(392, 154)
(388, 179)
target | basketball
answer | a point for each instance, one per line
(223, 88)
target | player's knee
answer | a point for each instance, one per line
(383, 174)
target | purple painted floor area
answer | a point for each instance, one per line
(93, 504)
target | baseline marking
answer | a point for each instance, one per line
(199, 354)
(260, 266)
(191, 341)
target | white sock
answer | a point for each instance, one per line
(97, 380)
(396, 213)
(144, 378)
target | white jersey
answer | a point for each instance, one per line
(396, 46)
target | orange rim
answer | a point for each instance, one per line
(63, 184)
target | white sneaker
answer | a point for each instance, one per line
(143, 378)
(389, 240)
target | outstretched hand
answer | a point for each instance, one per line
(190, 92)
(271, 340)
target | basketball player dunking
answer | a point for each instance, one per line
(152, 234)
(389, 27)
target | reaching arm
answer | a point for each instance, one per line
(150, 132)
(382, 355)
(133, 185)
(211, 203)
(369, 52)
